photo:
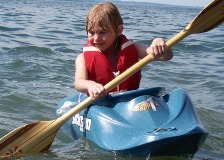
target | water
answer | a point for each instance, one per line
(39, 41)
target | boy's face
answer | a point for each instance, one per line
(102, 37)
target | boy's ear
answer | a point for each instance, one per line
(120, 29)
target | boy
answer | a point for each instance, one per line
(108, 53)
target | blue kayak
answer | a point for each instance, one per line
(141, 122)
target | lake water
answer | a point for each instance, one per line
(39, 41)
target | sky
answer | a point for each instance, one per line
(200, 3)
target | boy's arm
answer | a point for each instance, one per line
(80, 74)
(82, 84)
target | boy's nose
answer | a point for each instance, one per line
(96, 37)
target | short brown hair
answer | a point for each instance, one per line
(103, 14)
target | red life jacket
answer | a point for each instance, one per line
(100, 69)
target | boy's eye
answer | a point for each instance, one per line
(103, 32)
(91, 32)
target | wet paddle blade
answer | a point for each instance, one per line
(33, 137)
(38, 136)
(210, 17)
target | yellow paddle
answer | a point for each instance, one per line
(38, 136)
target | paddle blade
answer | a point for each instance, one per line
(33, 137)
(210, 17)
